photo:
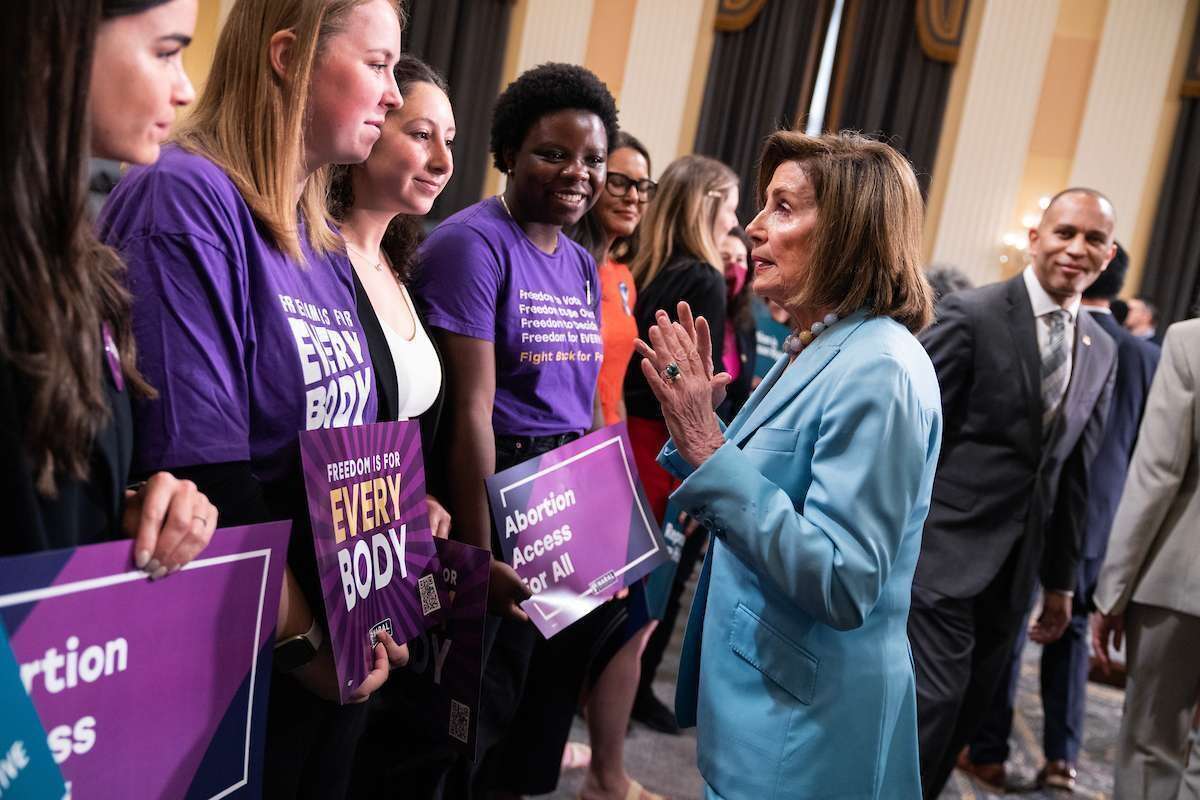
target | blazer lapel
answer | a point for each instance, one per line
(764, 388)
(796, 376)
(1022, 327)
(1086, 378)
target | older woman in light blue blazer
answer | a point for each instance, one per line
(796, 664)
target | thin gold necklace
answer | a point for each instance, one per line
(504, 203)
(378, 265)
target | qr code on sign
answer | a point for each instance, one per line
(429, 595)
(460, 721)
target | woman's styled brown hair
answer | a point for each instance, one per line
(58, 284)
(404, 233)
(680, 218)
(250, 122)
(866, 248)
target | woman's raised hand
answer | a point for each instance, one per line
(684, 383)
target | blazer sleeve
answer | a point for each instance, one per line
(1064, 534)
(950, 343)
(1156, 472)
(831, 550)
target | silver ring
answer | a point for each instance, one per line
(671, 372)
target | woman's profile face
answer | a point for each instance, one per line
(559, 172)
(726, 213)
(782, 234)
(413, 159)
(352, 87)
(619, 216)
(138, 81)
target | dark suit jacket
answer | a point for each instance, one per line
(1002, 484)
(1137, 359)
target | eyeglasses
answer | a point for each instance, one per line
(618, 185)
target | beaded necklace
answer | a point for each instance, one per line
(796, 342)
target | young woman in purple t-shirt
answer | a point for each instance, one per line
(513, 390)
(238, 278)
(67, 357)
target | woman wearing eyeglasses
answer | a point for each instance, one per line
(678, 258)
(609, 233)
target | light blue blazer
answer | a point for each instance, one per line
(796, 665)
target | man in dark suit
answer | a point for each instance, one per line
(1026, 382)
(1064, 668)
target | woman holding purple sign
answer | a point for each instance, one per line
(816, 493)
(68, 367)
(244, 313)
(497, 280)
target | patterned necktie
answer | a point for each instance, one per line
(1056, 371)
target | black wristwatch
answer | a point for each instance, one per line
(296, 651)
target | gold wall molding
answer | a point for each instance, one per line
(940, 25)
(737, 15)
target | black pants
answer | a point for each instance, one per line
(961, 650)
(1064, 673)
(693, 549)
(310, 743)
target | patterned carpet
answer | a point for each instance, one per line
(667, 764)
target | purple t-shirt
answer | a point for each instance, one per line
(480, 276)
(245, 346)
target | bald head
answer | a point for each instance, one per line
(1072, 243)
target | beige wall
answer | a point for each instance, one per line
(992, 138)
(1047, 93)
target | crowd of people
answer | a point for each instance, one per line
(890, 487)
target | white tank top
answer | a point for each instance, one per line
(418, 373)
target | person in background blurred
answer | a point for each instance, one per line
(740, 350)
(771, 323)
(946, 279)
(679, 259)
(1142, 319)
(1149, 587)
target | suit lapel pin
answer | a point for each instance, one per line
(1087, 340)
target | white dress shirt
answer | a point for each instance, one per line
(1043, 304)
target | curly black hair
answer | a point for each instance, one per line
(543, 90)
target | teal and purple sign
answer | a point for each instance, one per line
(575, 525)
(27, 770)
(153, 689)
(375, 552)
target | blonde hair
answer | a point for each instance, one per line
(251, 124)
(680, 218)
(866, 246)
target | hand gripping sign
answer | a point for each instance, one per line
(149, 688)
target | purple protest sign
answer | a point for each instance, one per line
(150, 689)
(370, 524)
(575, 525)
(446, 663)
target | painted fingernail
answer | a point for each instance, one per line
(141, 558)
(152, 566)
(175, 569)
(159, 573)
